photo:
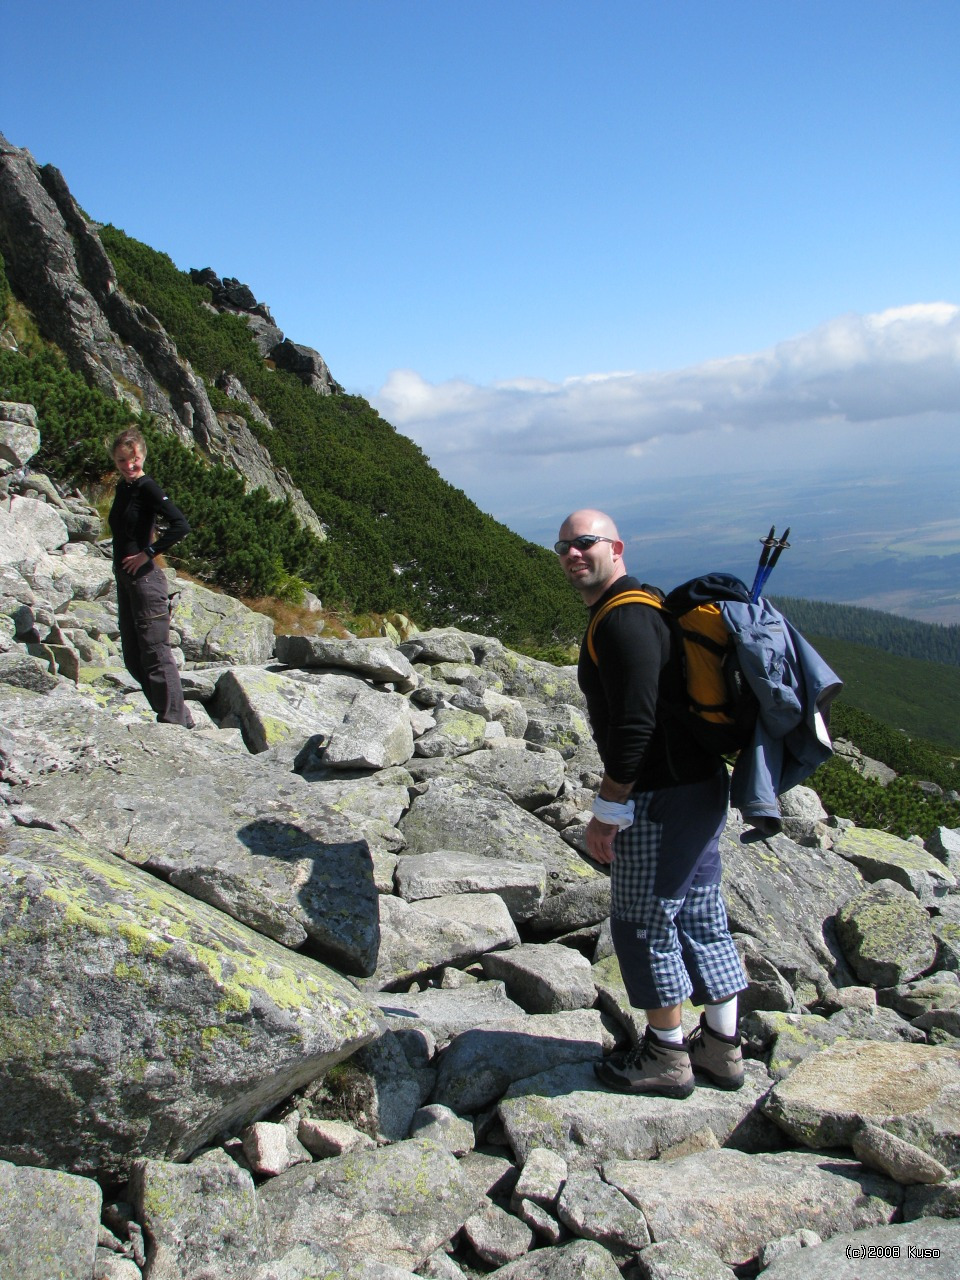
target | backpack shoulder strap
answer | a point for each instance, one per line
(625, 597)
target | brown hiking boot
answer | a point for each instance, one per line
(654, 1067)
(716, 1056)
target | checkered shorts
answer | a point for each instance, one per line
(668, 920)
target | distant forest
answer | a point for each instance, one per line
(917, 698)
(927, 642)
(902, 807)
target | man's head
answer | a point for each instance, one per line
(591, 553)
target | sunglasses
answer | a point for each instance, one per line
(583, 543)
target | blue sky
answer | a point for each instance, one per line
(580, 252)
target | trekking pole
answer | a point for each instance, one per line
(768, 543)
(780, 546)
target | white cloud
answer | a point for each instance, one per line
(894, 365)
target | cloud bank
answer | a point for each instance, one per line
(893, 366)
(848, 433)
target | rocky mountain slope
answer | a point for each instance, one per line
(212, 378)
(317, 987)
(58, 265)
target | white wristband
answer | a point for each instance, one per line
(613, 814)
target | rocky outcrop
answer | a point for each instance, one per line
(308, 365)
(318, 986)
(230, 296)
(57, 265)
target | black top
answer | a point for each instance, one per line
(137, 508)
(636, 698)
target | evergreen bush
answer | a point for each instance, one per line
(247, 543)
(401, 537)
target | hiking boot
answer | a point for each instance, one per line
(654, 1067)
(716, 1056)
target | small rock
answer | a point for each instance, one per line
(904, 1162)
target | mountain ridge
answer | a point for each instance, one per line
(399, 537)
(207, 362)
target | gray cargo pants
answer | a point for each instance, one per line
(143, 606)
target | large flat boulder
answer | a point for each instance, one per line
(521, 885)
(734, 1203)
(927, 1250)
(20, 549)
(530, 778)
(465, 816)
(198, 1218)
(886, 935)
(784, 896)
(42, 521)
(136, 1021)
(575, 1260)
(376, 659)
(89, 572)
(544, 977)
(19, 437)
(522, 677)
(445, 1013)
(420, 937)
(49, 1224)
(217, 628)
(911, 1090)
(566, 1110)
(439, 644)
(878, 855)
(257, 842)
(376, 733)
(479, 1065)
(272, 708)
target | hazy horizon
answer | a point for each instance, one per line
(901, 556)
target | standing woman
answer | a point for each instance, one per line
(142, 596)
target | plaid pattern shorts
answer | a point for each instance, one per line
(668, 920)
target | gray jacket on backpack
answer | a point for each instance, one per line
(794, 687)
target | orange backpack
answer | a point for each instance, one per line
(721, 709)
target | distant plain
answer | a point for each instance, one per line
(867, 538)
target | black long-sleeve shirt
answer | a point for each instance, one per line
(137, 508)
(634, 693)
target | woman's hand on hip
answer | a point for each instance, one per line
(131, 564)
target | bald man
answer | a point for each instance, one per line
(657, 821)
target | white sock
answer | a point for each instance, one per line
(722, 1017)
(669, 1035)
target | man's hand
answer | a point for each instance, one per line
(600, 841)
(599, 834)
